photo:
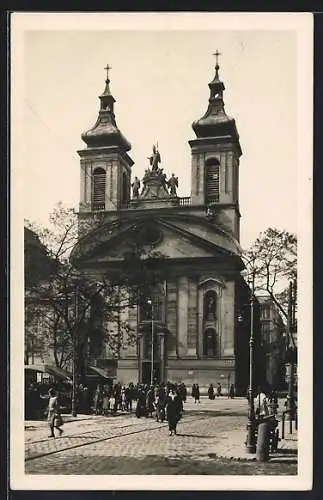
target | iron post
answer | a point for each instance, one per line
(251, 440)
(74, 369)
(150, 301)
(291, 323)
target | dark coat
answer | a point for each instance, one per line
(211, 392)
(174, 408)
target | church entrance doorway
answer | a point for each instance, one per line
(146, 372)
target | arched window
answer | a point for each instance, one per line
(98, 189)
(210, 323)
(212, 180)
(209, 343)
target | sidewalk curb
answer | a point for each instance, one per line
(272, 458)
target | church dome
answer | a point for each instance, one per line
(215, 121)
(105, 132)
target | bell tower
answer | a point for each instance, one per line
(105, 164)
(215, 157)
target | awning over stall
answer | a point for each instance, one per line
(54, 371)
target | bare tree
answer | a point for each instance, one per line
(272, 260)
(78, 310)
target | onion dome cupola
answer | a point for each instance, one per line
(105, 131)
(105, 163)
(215, 160)
(216, 122)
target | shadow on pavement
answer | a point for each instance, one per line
(215, 413)
(194, 435)
(287, 451)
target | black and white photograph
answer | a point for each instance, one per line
(161, 179)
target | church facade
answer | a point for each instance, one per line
(193, 331)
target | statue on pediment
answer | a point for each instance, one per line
(135, 187)
(173, 185)
(155, 159)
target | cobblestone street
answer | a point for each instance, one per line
(127, 445)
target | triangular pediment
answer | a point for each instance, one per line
(166, 237)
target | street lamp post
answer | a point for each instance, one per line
(251, 441)
(150, 302)
(74, 368)
(74, 382)
(291, 322)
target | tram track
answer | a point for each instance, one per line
(105, 438)
(44, 440)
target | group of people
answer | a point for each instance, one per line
(211, 392)
(162, 402)
(108, 399)
(159, 401)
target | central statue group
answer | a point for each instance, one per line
(154, 160)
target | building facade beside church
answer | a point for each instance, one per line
(194, 321)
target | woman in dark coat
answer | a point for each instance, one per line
(197, 393)
(150, 401)
(141, 404)
(173, 410)
(211, 392)
(193, 391)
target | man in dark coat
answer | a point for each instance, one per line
(182, 391)
(174, 408)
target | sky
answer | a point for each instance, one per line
(160, 82)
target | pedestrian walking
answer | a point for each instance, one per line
(150, 401)
(105, 403)
(197, 394)
(128, 397)
(211, 392)
(112, 404)
(174, 407)
(54, 417)
(98, 400)
(231, 391)
(182, 391)
(160, 408)
(219, 390)
(141, 404)
(193, 392)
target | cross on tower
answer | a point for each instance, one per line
(107, 68)
(217, 54)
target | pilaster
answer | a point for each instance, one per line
(182, 315)
(172, 318)
(192, 324)
(228, 319)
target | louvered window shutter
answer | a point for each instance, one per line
(213, 181)
(98, 193)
